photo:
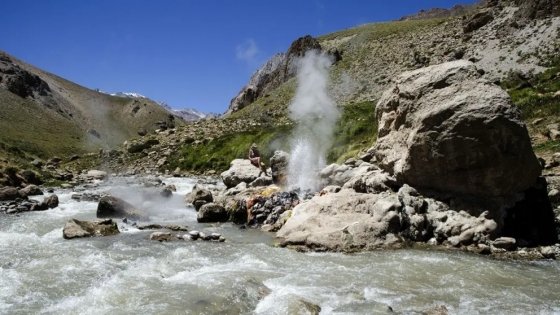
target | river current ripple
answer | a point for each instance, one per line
(41, 273)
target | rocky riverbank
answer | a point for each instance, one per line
(452, 167)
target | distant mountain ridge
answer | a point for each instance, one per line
(188, 114)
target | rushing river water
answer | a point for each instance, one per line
(42, 273)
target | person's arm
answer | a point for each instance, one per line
(250, 153)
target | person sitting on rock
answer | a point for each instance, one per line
(255, 158)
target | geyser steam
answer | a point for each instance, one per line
(316, 116)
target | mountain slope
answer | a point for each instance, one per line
(44, 115)
(512, 43)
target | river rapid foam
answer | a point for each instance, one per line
(41, 273)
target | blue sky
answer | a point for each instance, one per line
(190, 54)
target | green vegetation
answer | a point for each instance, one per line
(218, 153)
(536, 98)
(373, 31)
(356, 131)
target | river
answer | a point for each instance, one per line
(42, 273)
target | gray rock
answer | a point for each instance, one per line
(445, 128)
(76, 229)
(194, 235)
(31, 190)
(345, 221)
(200, 196)
(507, 243)
(331, 189)
(114, 207)
(95, 174)
(241, 170)
(212, 212)
(548, 252)
(10, 193)
(279, 167)
(261, 181)
(51, 201)
(162, 237)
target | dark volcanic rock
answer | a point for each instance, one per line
(212, 212)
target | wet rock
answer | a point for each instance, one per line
(507, 243)
(548, 252)
(436, 310)
(172, 227)
(466, 127)
(10, 193)
(279, 167)
(166, 193)
(162, 237)
(76, 229)
(212, 212)
(194, 235)
(307, 307)
(172, 188)
(86, 197)
(51, 201)
(200, 196)
(114, 207)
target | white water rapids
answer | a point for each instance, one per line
(41, 273)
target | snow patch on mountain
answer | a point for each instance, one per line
(188, 114)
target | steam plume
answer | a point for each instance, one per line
(316, 116)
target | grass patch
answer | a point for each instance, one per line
(373, 31)
(218, 153)
(356, 131)
(535, 97)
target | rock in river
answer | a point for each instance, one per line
(76, 229)
(113, 207)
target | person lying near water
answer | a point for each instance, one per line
(255, 158)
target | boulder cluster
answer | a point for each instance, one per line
(452, 165)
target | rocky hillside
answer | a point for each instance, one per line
(44, 115)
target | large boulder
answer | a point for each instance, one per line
(10, 193)
(113, 207)
(76, 229)
(345, 221)
(240, 170)
(212, 212)
(445, 128)
(279, 167)
(350, 221)
(31, 190)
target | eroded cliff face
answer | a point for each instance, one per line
(277, 70)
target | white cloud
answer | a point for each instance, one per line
(248, 51)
